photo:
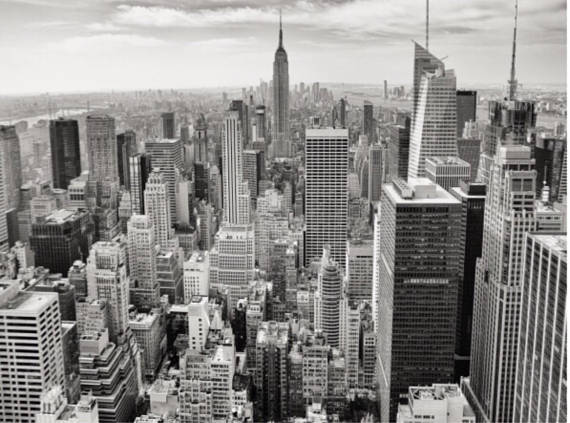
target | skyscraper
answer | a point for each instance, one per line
(472, 197)
(61, 238)
(157, 207)
(466, 109)
(280, 136)
(541, 378)
(107, 280)
(376, 157)
(399, 150)
(126, 147)
(139, 170)
(102, 148)
(327, 310)
(424, 61)
(509, 213)
(236, 197)
(4, 235)
(167, 155)
(549, 154)
(326, 193)
(65, 156)
(31, 350)
(417, 292)
(167, 125)
(368, 128)
(142, 253)
(434, 122)
(12, 165)
(260, 123)
(201, 145)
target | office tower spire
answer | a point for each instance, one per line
(280, 138)
(513, 83)
(427, 24)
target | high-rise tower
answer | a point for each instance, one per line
(102, 148)
(65, 158)
(509, 214)
(326, 193)
(236, 196)
(434, 122)
(280, 141)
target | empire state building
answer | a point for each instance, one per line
(280, 132)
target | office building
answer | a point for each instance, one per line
(4, 230)
(417, 306)
(472, 197)
(376, 157)
(139, 171)
(198, 322)
(442, 403)
(167, 155)
(329, 288)
(250, 173)
(280, 138)
(434, 123)
(108, 372)
(107, 280)
(509, 213)
(326, 195)
(31, 363)
(92, 315)
(359, 269)
(142, 250)
(170, 275)
(469, 150)
(195, 392)
(196, 275)
(60, 238)
(202, 181)
(315, 359)
(148, 331)
(167, 125)
(466, 109)
(260, 123)
(424, 61)
(126, 147)
(368, 125)
(157, 207)
(236, 197)
(541, 378)
(102, 149)
(11, 165)
(65, 156)
(549, 154)
(447, 172)
(54, 408)
(342, 113)
(201, 143)
(232, 260)
(271, 352)
(399, 150)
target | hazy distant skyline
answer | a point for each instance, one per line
(83, 45)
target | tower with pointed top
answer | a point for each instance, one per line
(280, 135)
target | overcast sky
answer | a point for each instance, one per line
(70, 45)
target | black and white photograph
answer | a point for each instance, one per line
(283, 211)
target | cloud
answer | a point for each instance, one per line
(104, 42)
(104, 27)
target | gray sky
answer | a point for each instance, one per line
(70, 45)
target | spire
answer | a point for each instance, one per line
(280, 30)
(427, 25)
(513, 82)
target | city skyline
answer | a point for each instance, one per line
(83, 47)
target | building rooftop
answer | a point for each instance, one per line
(446, 160)
(418, 191)
(23, 302)
(61, 216)
(557, 242)
(326, 133)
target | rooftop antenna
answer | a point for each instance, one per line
(513, 82)
(427, 25)
(280, 29)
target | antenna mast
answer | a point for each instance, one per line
(513, 82)
(427, 25)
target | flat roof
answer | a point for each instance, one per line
(557, 242)
(425, 192)
(28, 302)
(326, 133)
